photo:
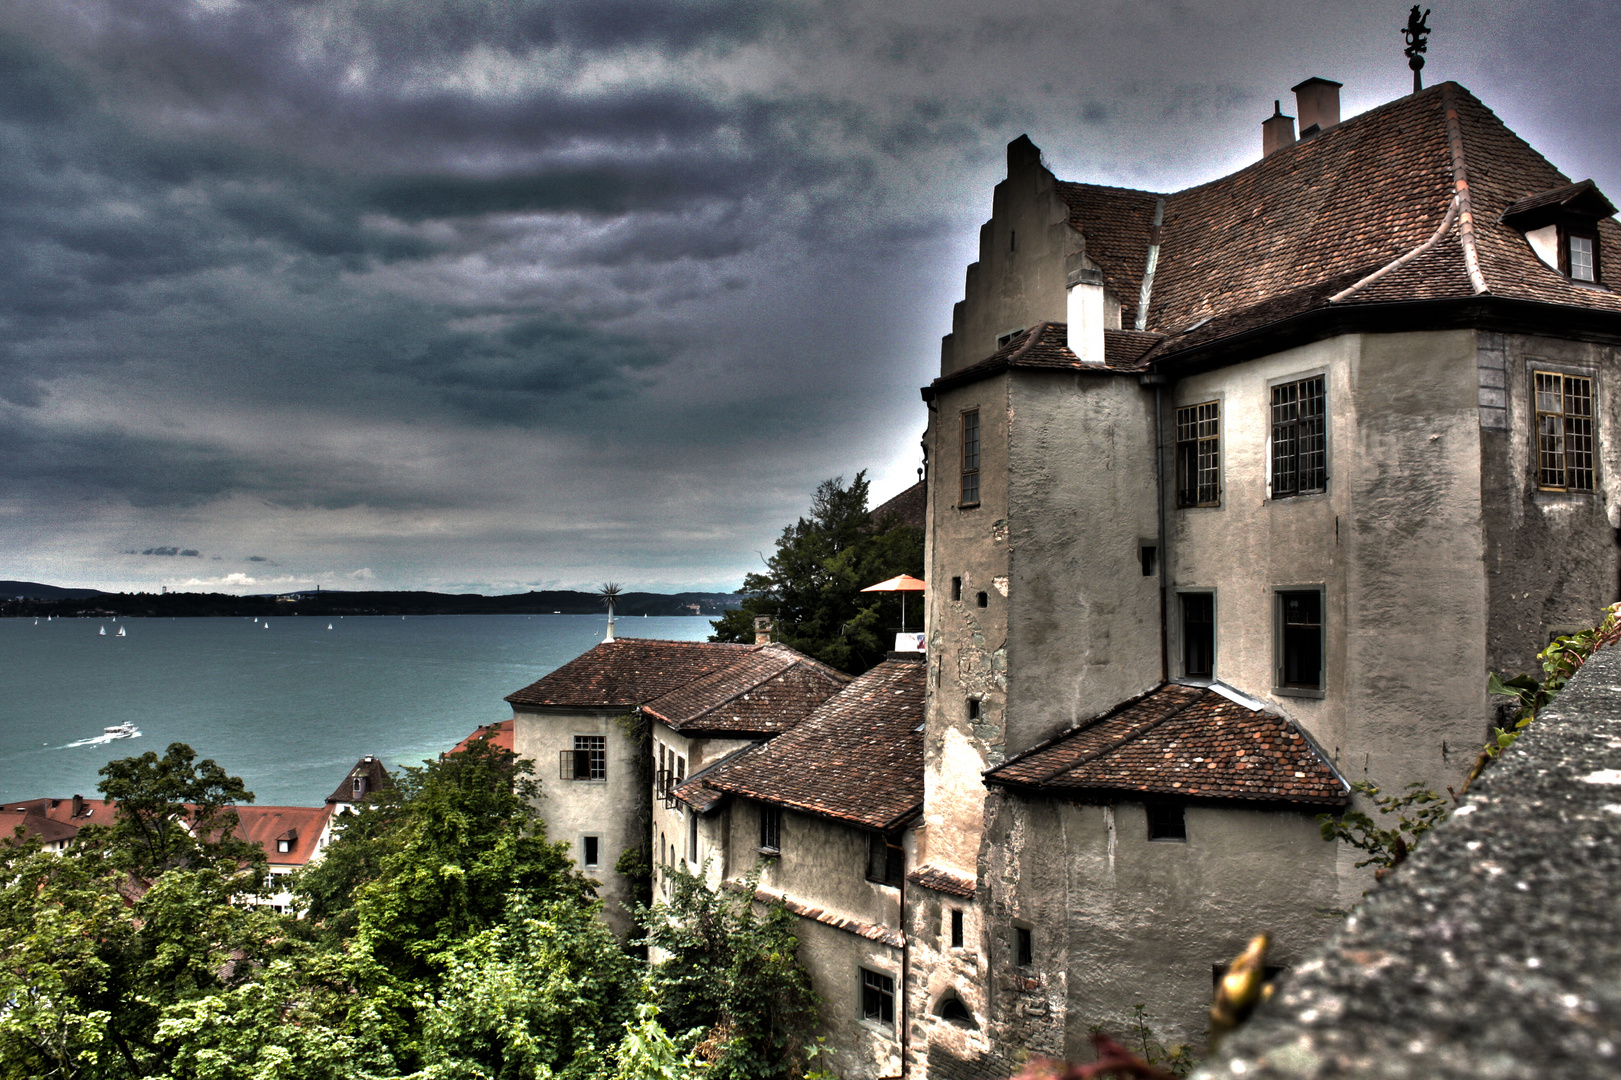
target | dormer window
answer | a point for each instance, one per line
(1561, 226)
(283, 846)
(358, 786)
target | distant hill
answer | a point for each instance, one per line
(70, 602)
(14, 590)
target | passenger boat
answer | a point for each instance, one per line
(126, 730)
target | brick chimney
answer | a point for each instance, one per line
(1318, 102)
(1277, 131)
(78, 806)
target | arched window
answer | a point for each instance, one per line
(952, 1010)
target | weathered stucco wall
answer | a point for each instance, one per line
(1395, 542)
(937, 970)
(1552, 561)
(1118, 919)
(822, 862)
(611, 809)
(1083, 620)
(1019, 278)
(672, 824)
(860, 1049)
(967, 643)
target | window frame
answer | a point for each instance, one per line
(1167, 822)
(877, 997)
(1569, 232)
(770, 830)
(969, 441)
(885, 848)
(1190, 453)
(590, 760)
(587, 841)
(1183, 637)
(1280, 638)
(1564, 416)
(958, 931)
(1273, 456)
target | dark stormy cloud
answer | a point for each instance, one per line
(491, 294)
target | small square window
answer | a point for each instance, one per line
(886, 859)
(983, 599)
(1167, 821)
(973, 708)
(956, 588)
(1149, 553)
(284, 846)
(877, 998)
(590, 846)
(1024, 946)
(956, 928)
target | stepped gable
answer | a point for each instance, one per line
(858, 758)
(1181, 741)
(300, 825)
(765, 690)
(627, 672)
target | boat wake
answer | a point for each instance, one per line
(99, 740)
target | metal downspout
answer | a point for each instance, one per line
(906, 973)
(1164, 555)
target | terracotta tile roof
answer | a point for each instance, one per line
(1045, 346)
(53, 820)
(886, 935)
(942, 880)
(910, 507)
(264, 825)
(857, 758)
(628, 672)
(1279, 238)
(1183, 741)
(766, 690)
(499, 734)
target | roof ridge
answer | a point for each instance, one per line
(791, 663)
(1054, 740)
(1033, 335)
(1460, 180)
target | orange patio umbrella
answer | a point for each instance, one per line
(904, 584)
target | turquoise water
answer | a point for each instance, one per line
(288, 708)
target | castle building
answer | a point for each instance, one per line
(1236, 495)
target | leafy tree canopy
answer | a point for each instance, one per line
(812, 584)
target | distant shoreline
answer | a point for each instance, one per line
(332, 604)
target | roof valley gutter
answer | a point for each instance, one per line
(1460, 181)
(1402, 260)
(1153, 264)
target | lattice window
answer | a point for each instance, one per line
(877, 998)
(1198, 455)
(1564, 432)
(1299, 438)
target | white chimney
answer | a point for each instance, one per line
(1318, 102)
(1277, 131)
(1086, 315)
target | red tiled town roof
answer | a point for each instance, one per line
(1180, 741)
(368, 769)
(1280, 238)
(766, 690)
(857, 758)
(53, 820)
(301, 825)
(627, 672)
(498, 733)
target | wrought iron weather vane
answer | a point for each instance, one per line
(1417, 33)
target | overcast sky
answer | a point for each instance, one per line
(487, 295)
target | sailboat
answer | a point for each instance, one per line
(120, 632)
(102, 632)
(329, 626)
(267, 624)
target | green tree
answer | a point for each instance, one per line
(733, 975)
(172, 812)
(812, 584)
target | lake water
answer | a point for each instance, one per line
(288, 708)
